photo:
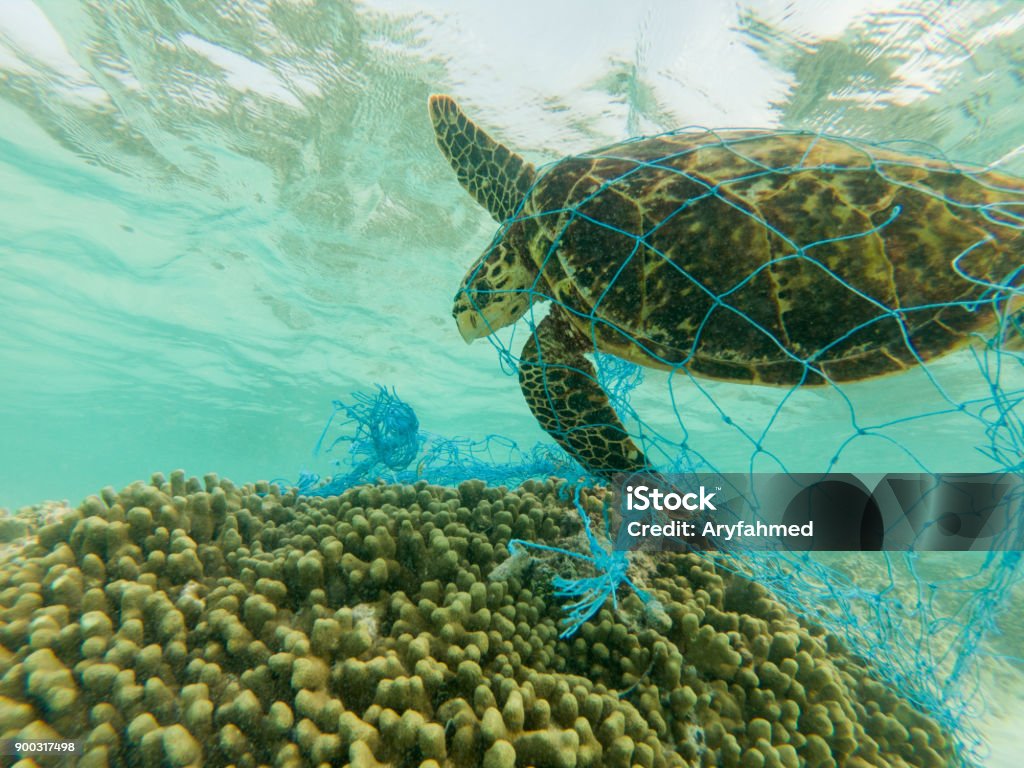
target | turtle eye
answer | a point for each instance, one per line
(475, 294)
(482, 285)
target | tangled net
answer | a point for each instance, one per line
(923, 624)
(385, 442)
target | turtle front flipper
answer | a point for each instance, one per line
(561, 388)
(494, 175)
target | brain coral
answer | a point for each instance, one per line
(172, 624)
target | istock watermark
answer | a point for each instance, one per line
(834, 512)
(641, 498)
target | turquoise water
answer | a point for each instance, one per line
(217, 219)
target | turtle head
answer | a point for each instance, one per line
(499, 287)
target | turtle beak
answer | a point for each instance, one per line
(470, 326)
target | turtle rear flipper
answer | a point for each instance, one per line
(560, 386)
(494, 175)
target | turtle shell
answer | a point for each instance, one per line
(775, 257)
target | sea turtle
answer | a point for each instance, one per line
(767, 257)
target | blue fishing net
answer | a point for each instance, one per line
(925, 622)
(384, 442)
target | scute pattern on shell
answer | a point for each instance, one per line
(773, 257)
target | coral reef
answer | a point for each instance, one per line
(181, 623)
